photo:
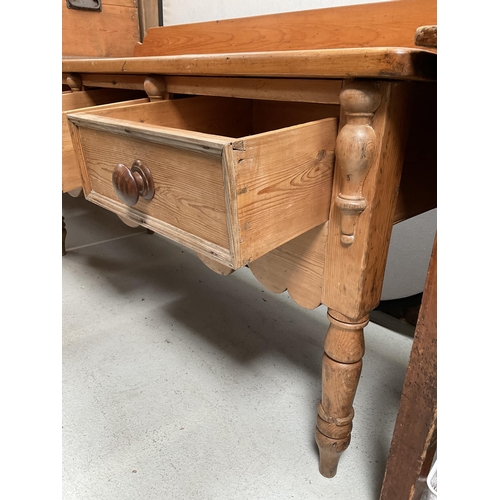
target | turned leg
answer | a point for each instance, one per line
(369, 154)
(344, 348)
(64, 231)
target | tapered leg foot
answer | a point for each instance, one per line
(344, 348)
(329, 453)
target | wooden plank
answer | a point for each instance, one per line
(135, 217)
(187, 140)
(135, 82)
(80, 160)
(296, 266)
(383, 24)
(210, 115)
(84, 101)
(189, 186)
(388, 63)
(215, 266)
(279, 89)
(110, 33)
(413, 441)
(273, 115)
(233, 228)
(283, 184)
(89, 98)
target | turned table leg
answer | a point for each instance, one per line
(344, 348)
(369, 155)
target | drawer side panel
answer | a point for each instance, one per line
(283, 184)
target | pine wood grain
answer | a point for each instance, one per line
(188, 185)
(353, 289)
(114, 32)
(199, 245)
(283, 182)
(215, 266)
(389, 63)
(272, 115)
(368, 25)
(114, 81)
(73, 101)
(278, 89)
(209, 115)
(255, 185)
(296, 266)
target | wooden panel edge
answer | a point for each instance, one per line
(321, 91)
(245, 144)
(375, 62)
(118, 81)
(290, 268)
(233, 228)
(199, 245)
(80, 160)
(192, 141)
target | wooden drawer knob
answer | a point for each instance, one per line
(130, 183)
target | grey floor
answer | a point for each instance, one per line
(182, 384)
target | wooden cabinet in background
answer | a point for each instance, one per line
(111, 32)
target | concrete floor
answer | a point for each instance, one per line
(182, 384)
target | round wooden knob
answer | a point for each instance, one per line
(130, 183)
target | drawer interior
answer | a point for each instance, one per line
(223, 116)
(89, 98)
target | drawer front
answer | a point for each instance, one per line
(189, 185)
(232, 199)
(72, 101)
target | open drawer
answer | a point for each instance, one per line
(72, 101)
(214, 174)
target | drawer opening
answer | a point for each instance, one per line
(89, 98)
(224, 116)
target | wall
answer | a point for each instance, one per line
(193, 11)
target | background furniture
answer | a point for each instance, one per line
(415, 432)
(414, 442)
(111, 31)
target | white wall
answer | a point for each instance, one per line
(411, 242)
(193, 11)
(409, 255)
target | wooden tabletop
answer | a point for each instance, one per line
(374, 62)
